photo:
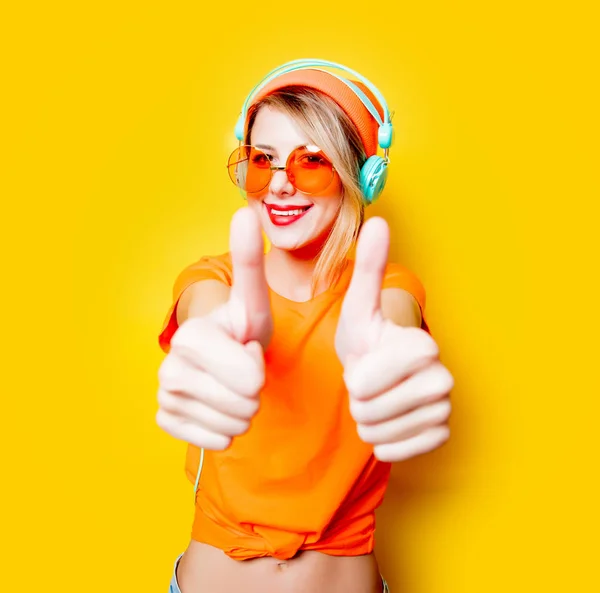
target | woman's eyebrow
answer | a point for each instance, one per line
(273, 149)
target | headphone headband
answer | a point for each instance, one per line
(385, 130)
(304, 64)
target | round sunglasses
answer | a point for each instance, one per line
(307, 169)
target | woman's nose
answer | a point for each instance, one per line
(280, 183)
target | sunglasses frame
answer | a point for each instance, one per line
(284, 168)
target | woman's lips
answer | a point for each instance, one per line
(284, 215)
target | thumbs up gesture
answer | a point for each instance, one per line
(398, 388)
(246, 317)
(210, 381)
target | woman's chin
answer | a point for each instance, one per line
(301, 247)
(299, 236)
(283, 245)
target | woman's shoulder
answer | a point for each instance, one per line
(396, 275)
(210, 267)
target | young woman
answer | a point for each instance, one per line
(298, 376)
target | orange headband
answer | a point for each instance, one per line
(343, 95)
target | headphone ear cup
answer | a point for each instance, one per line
(239, 128)
(373, 176)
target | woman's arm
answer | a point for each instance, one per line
(401, 307)
(200, 298)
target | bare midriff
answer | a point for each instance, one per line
(205, 569)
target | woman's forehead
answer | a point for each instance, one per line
(277, 130)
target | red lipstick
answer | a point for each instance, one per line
(293, 212)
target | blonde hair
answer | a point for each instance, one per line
(327, 126)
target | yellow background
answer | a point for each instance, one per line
(116, 123)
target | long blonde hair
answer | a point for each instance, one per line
(327, 126)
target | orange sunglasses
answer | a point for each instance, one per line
(307, 169)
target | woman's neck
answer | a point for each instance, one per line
(290, 273)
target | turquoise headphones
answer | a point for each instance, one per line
(373, 173)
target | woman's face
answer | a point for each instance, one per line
(277, 135)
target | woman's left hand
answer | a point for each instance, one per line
(399, 390)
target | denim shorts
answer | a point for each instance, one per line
(174, 586)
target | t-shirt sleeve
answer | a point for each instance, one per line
(206, 268)
(397, 276)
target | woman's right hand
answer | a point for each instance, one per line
(209, 382)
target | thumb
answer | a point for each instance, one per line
(363, 297)
(256, 352)
(249, 304)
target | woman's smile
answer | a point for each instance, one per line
(281, 215)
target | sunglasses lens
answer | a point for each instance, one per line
(310, 170)
(249, 169)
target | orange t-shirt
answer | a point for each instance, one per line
(300, 478)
